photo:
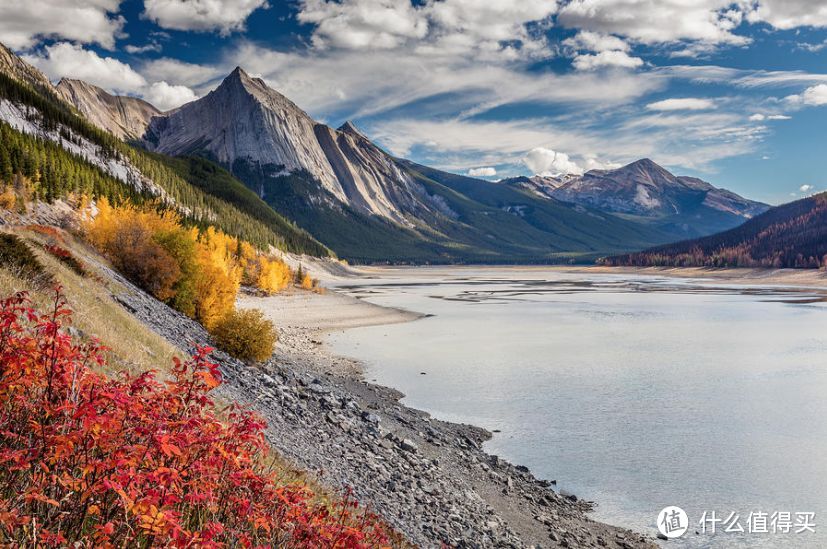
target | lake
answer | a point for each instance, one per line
(636, 392)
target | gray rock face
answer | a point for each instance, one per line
(243, 119)
(15, 67)
(644, 188)
(124, 117)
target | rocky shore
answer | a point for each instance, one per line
(429, 479)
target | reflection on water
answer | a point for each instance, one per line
(635, 392)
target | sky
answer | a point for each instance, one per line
(732, 92)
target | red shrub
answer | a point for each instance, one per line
(138, 462)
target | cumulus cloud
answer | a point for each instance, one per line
(364, 24)
(482, 172)
(788, 14)
(814, 96)
(180, 72)
(544, 161)
(806, 188)
(586, 62)
(657, 21)
(682, 104)
(73, 61)
(609, 51)
(165, 96)
(201, 15)
(23, 23)
(448, 27)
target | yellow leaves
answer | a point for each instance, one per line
(273, 275)
(152, 520)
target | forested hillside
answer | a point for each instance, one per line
(52, 173)
(793, 235)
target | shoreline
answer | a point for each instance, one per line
(500, 504)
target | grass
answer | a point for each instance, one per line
(132, 346)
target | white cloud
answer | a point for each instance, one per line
(544, 161)
(609, 51)
(657, 21)
(585, 62)
(789, 14)
(378, 81)
(814, 96)
(448, 27)
(180, 72)
(596, 42)
(758, 117)
(682, 104)
(24, 22)
(165, 96)
(482, 172)
(152, 46)
(72, 61)
(201, 15)
(806, 188)
(365, 24)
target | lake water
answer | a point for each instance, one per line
(635, 392)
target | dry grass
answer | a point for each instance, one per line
(132, 346)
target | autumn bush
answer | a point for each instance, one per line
(65, 256)
(246, 335)
(86, 460)
(197, 271)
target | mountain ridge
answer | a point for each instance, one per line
(347, 191)
(792, 235)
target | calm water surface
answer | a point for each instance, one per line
(635, 392)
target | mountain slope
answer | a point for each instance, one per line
(124, 117)
(96, 160)
(248, 127)
(643, 190)
(790, 235)
(369, 206)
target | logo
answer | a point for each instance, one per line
(672, 522)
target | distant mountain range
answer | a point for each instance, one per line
(645, 191)
(792, 235)
(369, 206)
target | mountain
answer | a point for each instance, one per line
(58, 153)
(14, 67)
(124, 117)
(791, 235)
(369, 206)
(249, 127)
(643, 190)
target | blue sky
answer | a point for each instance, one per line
(733, 92)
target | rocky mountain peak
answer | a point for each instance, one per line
(124, 117)
(350, 128)
(12, 65)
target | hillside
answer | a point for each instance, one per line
(40, 115)
(793, 235)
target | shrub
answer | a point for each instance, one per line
(89, 461)
(16, 256)
(65, 256)
(246, 335)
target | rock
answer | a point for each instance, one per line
(370, 418)
(408, 445)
